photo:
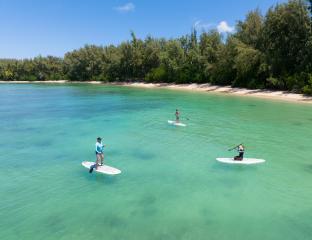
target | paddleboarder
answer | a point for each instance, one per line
(99, 147)
(241, 150)
(177, 115)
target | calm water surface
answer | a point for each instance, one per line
(171, 187)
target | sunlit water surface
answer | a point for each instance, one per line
(171, 187)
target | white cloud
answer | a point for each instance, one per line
(200, 25)
(223, 27)
(128, 7)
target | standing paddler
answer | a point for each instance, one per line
(177, 115)
(99, 147)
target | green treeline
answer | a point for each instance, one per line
(272, 51)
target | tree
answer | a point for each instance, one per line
(209, 45)
(85, 64)
(310, 7)
(251, 69)
(224, 72)
(172, 60)
(250, 30)
(286, 34)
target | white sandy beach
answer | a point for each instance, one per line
(269, 94)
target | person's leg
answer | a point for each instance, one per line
(238, 158)
(102, 159)
(93, 166)
(98, 160)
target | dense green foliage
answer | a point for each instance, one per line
(39, 68)
(272, 51)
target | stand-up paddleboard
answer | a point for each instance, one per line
(176, 123)
(246, 161)
(102, 169)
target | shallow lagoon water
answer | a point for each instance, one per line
(171, 187)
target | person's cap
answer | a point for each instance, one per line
(99, 138)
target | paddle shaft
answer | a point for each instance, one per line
(234, 147)
(183, 117)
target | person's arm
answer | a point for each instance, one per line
(103, 146)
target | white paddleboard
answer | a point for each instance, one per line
(176, 123)
(101, 169)
(246, 161)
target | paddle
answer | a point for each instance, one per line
(234, 147)
(184, 118)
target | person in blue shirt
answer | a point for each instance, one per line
(99, 147)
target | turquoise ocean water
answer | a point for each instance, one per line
(171, 187)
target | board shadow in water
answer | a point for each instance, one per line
(42, 143)
(303, 226)
(145, 206)
(142, 155)
(144, 212)
(18, 128)
(148, 199)
(230, 182)
(252, 105)
(98, 177)
(302, 148)
(114, 221)
(298, 124)
(207, 216)
(217, 166)
(307, 168)
(53, 224)
(181, 230)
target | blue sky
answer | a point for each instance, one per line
(30, 28)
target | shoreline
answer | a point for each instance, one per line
(228, 90)
(194, 87)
